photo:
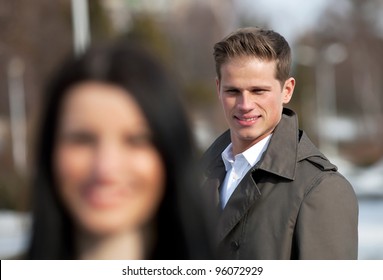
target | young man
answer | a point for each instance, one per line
(278, 196)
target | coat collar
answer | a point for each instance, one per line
(288, 146)
(280, 158)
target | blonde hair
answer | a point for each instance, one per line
(255, 42)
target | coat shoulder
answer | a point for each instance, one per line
(307, 151)
(318, 168)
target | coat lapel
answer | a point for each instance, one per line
(239, 203)
(213, 169)
(213, 182)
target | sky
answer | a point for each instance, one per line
(289, 18)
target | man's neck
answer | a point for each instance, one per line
(239, 146)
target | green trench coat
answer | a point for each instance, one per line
(293, 204)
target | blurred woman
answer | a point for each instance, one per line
(114, 176)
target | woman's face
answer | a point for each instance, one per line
(109, 175)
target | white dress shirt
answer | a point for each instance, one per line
(237, 166)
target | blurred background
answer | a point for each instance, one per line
(338, 64)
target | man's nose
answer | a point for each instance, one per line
(245, 101)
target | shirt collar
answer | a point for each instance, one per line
(252, 155)
(227, 156)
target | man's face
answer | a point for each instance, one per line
(252, 99)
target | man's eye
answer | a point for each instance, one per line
(258, 91)
(231, 91)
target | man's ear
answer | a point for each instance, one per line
(217, 86)
(288, 90)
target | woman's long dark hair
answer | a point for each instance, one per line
(180, 230)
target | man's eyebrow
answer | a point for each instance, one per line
(261, 87)
(230, 87)
(257, 87)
